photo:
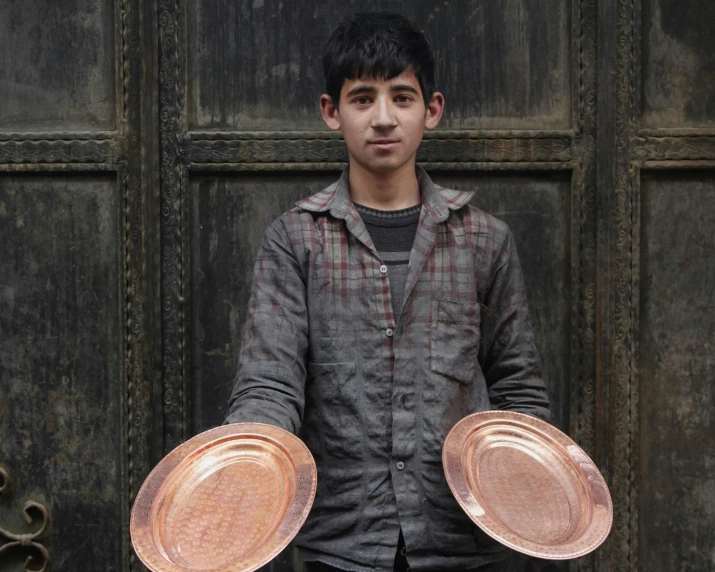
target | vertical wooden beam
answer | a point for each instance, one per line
(615, 399)
(173, 291)
(133, 168)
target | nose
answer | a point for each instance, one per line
(384, 116)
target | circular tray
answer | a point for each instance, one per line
(527, 485)
(229, 500)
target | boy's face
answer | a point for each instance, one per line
(381, 120)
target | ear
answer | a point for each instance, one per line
(434, 110)
(330, 113)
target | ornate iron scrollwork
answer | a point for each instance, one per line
(10, 541)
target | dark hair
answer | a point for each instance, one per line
(377, 45)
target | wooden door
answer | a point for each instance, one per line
(145, 145)
(76, 300)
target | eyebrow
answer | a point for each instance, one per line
(369, 89)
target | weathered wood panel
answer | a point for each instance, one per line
(61, 366)
(229, 216)
(537, 208)
(676, 434)
(57, 69)
(678, 64)
(257, 64)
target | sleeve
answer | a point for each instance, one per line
(508, 354)
(270, 379)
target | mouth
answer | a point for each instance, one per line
(384, 143)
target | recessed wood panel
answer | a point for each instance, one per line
(230, 213)
(678, 64)
(229, 216)
(257, 64)
(537, 208)
(60, 361)
(676, 477)
(57, 66)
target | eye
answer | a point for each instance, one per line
(362, 100)
(403, 98)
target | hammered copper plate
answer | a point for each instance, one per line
(527, 485)
(227, 500)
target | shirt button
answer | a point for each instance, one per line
(389, 332)
(383, 269)
(400, 465)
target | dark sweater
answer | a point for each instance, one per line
(393, 233)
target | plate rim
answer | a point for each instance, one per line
(452, 451)
(161, 475)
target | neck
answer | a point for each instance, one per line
(395, 190)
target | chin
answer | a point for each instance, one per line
(384, 168)
(384, 164)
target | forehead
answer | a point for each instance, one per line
(407, 77)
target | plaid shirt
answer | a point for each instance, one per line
(323, 357)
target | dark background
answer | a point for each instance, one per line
(145, 145)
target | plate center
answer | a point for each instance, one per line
(523, 494)
(226, 516)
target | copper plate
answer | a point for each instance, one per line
(229, 500)
(527, 484)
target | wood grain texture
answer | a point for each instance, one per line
(61, 361)
(58, 66)
(500, 64)
(674, 337)
(678, 64)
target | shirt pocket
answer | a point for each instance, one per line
(454, 339)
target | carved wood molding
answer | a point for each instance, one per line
(673, 148)
(334, 150)
(171, 88)
(133, 183)
(58, 136)
(583, 233)
(56, 167)
(427, 165)
(59, 151)
(228, 135)
(623, 391)
(583, 390)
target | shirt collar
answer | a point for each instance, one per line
(436, 200)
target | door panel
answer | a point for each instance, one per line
(501, 65)
(75, 392)
(537, 208)
(678, 64)
(57, 71)
(676, 369)
(229, 215)
(60, 361)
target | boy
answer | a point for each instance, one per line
(384, 309)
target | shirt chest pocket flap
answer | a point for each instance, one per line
(454, 339)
